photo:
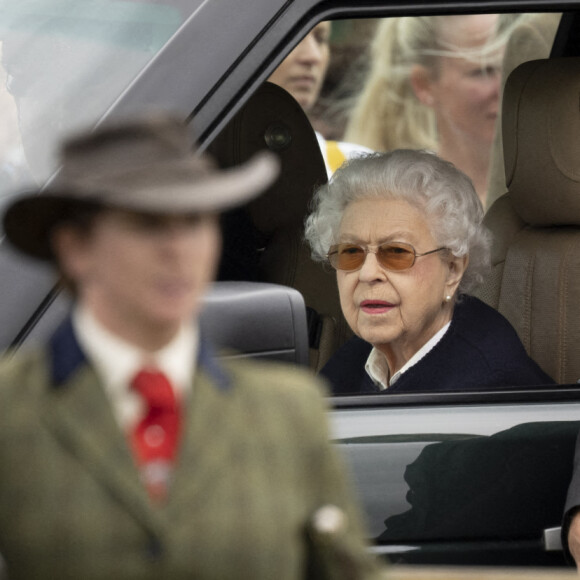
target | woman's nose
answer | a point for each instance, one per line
(371, 269)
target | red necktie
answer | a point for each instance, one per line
(154, 440)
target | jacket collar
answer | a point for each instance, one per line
(67, 356)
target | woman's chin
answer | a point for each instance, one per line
(376, 337)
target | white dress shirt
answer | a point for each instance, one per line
(377, 368)
(116, 362)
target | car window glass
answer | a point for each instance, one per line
(63, 64)
(56, 75)
(397, 110)
(457, 93)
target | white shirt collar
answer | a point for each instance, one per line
(377, 368)
(116, 362)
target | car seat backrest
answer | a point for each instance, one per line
(257, 320)
(531, 39)
(263, 241)
(535, 278)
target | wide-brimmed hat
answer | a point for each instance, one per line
(147, 165)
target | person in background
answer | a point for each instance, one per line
(302, 74)
(404, 232)
(129, 450)
(434, 84)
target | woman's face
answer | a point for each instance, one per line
(302, 72)
(397, 312)
(464, 93)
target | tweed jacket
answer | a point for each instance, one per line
(572, 505)
(254, 466)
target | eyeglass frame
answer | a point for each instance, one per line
(333, 250)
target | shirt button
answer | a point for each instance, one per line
(154, 435)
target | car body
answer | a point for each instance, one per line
(460, 478)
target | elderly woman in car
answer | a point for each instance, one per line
(404, 232)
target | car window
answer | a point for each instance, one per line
(63, 68)
(372, 95)
(63, 64)
(387, 84)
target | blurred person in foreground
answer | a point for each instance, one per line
(571, 520)
(302, 74)
(404, 232)
(434, 83)
(129, 451)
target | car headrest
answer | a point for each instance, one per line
(258, 320)
(273, 119)
(541, 140)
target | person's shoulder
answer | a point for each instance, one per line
(486, 331)
(274, 379)
(291, 396)
(18, 367)
(23, 380)
(475, 317)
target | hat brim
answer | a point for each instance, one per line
(29, 220)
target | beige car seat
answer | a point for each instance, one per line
(263, 241)
(531, 39)
(535, 278)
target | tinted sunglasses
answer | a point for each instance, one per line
(395, 256)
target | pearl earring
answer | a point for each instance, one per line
(447, 298)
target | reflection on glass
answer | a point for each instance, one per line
(509, 486)
(13, 166)
(64, 63)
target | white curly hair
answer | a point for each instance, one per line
(436, 187)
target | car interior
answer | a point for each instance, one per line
(534, 262)
(263, 241)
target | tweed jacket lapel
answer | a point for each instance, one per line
(201, 455)
(81, 419)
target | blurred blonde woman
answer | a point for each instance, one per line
(434, 84)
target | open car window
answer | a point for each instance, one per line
(373, 102)
(63, 69)
(63, 64)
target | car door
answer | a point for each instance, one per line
(476, 479)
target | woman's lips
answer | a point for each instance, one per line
(376, 306)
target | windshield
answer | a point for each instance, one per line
(63, 64)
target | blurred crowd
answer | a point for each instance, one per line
(429, 83)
